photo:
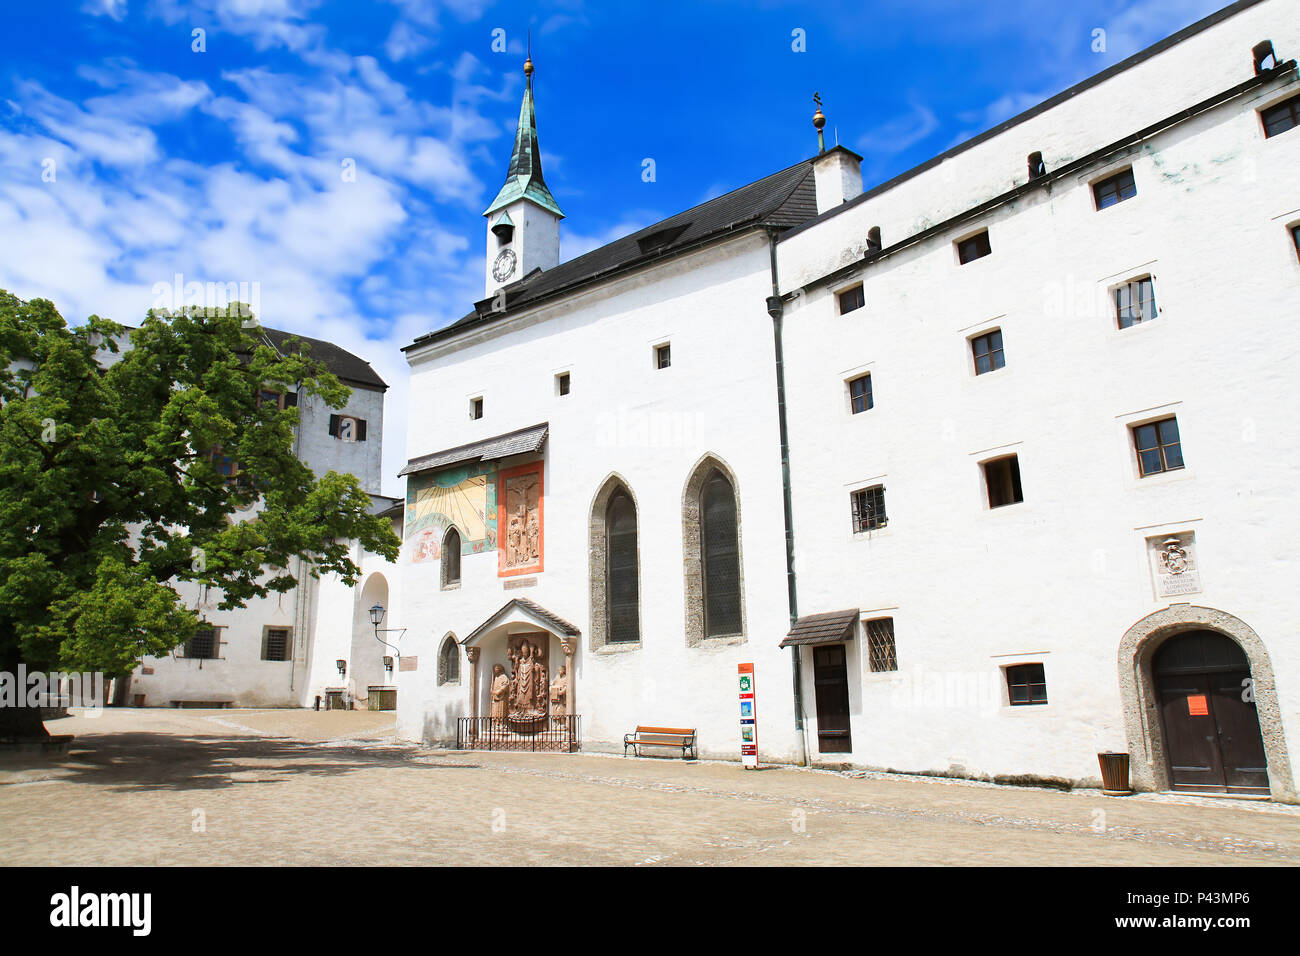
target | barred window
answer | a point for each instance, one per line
(203, 645)
(721, 552)
(881, 653)
(623, 599)
(1026, 684)
(1135, 302)
(1158, 447)
(869, 508)
(276, 643)
(451, 557)
(1114, 189)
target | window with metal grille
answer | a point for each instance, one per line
(1114, 189)
(622, 589)
(203, 645)
(987, 351)
(1158, 447)
(1026, 684)
(1135, 302)
(720, 542)
(851, 299)
(562, 383)
(881, 653)
(1002, 478)
(976, 247)
(1282, 117)
(449, 661)
(869, 508)
(663, 355)
(451, 557)
(860, 394)
(275, 643)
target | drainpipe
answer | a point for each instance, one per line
(776, 309)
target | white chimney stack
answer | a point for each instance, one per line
(838, 177)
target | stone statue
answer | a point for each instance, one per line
(539, 701)
(500, 693)
(525, 684)
(559, 693)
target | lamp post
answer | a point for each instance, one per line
(377, 613)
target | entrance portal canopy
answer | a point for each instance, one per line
(522, 609)
(834, 627)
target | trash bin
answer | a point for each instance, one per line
(1114, 774)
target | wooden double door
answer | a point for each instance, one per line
(1207, 706)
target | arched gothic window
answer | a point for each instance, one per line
(449, 661)
(623, 604)
(720, 553)
(451, 557)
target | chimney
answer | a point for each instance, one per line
(837, 174)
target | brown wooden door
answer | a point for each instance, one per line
(1207, 707)
(831, 680)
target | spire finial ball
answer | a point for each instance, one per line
(819, 119)
(528, 67)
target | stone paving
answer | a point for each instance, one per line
(222, 787)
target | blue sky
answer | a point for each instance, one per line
(126, 156)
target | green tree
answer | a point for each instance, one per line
(111, 486)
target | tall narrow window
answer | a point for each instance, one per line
(881, 653)
(451, 558)
(476, 408)
(623, 593)
(1135, 302)
(663, 355)
(1114, 189)
(1158, 447)
(449, 661)
(721, 553)
(860, 394)
(562, 383)
(987, 352)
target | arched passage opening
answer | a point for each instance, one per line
(366, 667)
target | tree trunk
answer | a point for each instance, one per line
(19, 722)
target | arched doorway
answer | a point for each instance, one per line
(366, 668)
(1207, 708)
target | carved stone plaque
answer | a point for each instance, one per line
(1174, 567)
(520, 520)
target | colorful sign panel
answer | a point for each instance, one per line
(748, 716)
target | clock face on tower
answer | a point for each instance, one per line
(504, 265)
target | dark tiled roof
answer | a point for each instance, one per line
(351, 369)
(828, 628)
(557, 623)
(519, 442)
(783, 200)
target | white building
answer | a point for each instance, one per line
(283, 650)
(995, 457)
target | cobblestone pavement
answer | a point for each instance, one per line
(202, 788)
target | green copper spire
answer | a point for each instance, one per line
(524, 178)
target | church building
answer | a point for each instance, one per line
(985, 470)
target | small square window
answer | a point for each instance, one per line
(1002, 479)
(860, 394)
(1114, 189)
(204, 645)
(1026, 684)
(882, 655)
(562, 383)
(869, 509)
(976, 247)
(276, 644)
(1282, 117)
(1135, 302)
(663, 355)
(1158, 447)
(476, 408)
(987, 352)
(851, 299)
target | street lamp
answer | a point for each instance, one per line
(376, 614)
(342, 665)
(376, 618)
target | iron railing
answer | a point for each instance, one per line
(553, 734)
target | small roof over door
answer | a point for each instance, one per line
(834, 627)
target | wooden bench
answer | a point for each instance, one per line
(683, 737)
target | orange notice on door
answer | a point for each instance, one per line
(1196, 705)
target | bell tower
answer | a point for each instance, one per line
(523, 222)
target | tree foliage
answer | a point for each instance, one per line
(110, 488)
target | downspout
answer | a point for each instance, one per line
(776, 309)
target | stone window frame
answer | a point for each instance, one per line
(599, 621)
(443, 678)
(693, 555)
(443, 582)
(288, 642)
